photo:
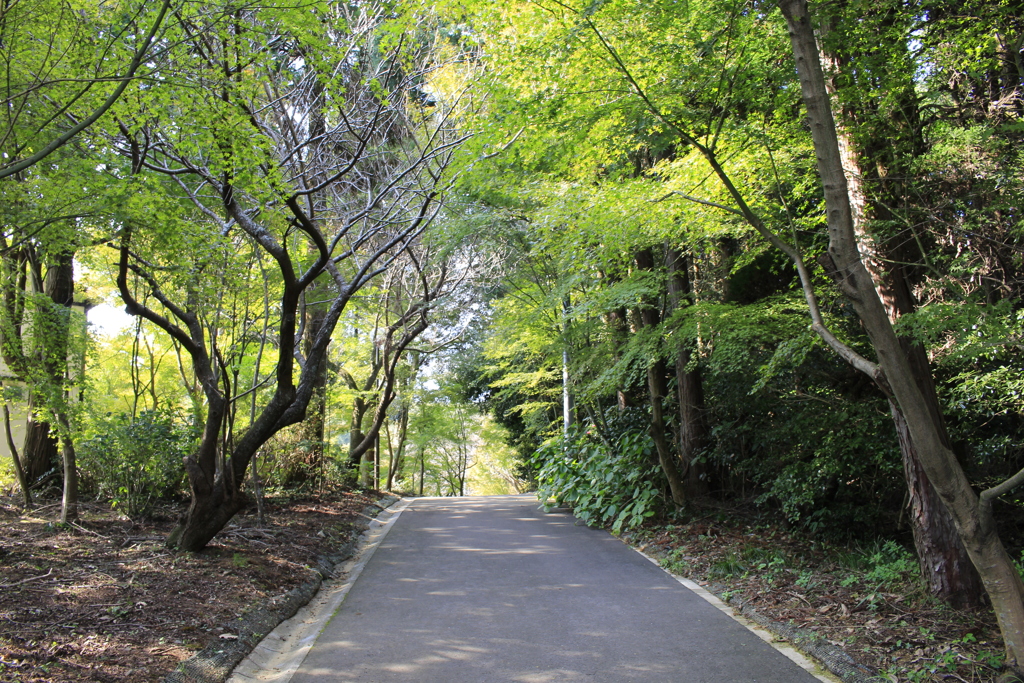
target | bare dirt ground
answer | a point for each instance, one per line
(103, 600)
(879, 613)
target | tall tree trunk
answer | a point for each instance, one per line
(971, 513)
(366, 464)
(944, 562)
(689, 383)
(568, 398)
(404, 383)
(376, 462)
(69, 501)
(617, 329)
(59, 287)
(313, 428)
(666, 458)
(651, 317)
(359, 408)
(317, 303)
(617, 326)
(423, 467)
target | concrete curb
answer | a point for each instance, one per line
(280, 654)
(831, 657)
(215, 662)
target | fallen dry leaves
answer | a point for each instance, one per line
(103, 599)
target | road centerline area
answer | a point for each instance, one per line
(495, 589)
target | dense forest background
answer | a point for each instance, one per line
(657, 260)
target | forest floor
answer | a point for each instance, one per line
(868, 601)
(104, 600)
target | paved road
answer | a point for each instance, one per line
(493, 589)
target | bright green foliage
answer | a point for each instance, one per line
(978, 346)
(890, 564)
(609, 104)
(614, 483)
(977, 353)
(64, 65)
(497, 469)
(453, 450)
(883, 565)
(133, 371)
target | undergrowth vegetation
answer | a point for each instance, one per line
(865, 597)
(134, 461)
(609, 479)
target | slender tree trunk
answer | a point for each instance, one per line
(403, 433)
(650, 318)
(423, 467)
(69, 501)
(257, 486)
(666, 458)
(404, 383)
(59, 287)
(618, 331)
(366, 467)
(376, 462)
(568, 399)
(313, 430)
(19, 471)
(355, 431)
(257, 492)
(971, 513)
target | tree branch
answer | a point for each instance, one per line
(63, 139)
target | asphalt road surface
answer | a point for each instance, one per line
(495, 589)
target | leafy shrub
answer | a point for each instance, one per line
(890, 564)
(883, 565)
(618, 486)
(135, 461)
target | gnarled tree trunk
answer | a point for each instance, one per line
(944, 561)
